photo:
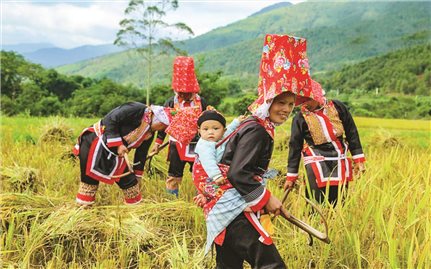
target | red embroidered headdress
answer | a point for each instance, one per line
(183, 75)
(316, 93)
(283, 68)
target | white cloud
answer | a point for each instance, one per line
(63, 24)
(74, 23)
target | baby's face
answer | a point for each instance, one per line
(211, 130)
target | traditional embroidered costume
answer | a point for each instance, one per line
(183, 80)
(324, 137)
(284, 68)
(128, 125)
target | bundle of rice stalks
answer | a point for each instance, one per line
(383, 138)
(56, 131)
(66, 153)
(122, 236)
(19, 179)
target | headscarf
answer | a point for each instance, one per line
(161, 114)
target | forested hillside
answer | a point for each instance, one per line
(338, 33)
(406, 71)
(375, 56)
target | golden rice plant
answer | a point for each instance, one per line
(385, 221)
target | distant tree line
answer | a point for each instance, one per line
(28, 88)
(396, 85)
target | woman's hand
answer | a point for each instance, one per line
(273, 206)
(122, 150)
(200, 200)
(288, 185)
(220, 181)
(242, 118)
(358, 169)
(155, 149)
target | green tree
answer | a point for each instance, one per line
(14, 70)
(48, 106)
(30, 95)
(101, 97)
(58, 84)
(144, 30)
(211, 88)
(241, 106)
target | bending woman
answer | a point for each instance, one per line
(101, 149)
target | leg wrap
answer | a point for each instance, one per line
(86, 194)
(132, 195)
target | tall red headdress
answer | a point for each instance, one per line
(283, 68)
(183, 75)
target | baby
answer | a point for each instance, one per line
(209, 149)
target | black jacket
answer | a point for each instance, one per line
(248, 154)
(300, 132)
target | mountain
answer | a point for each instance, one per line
(271, 7)
(26, 47)
(52, 57)
(338, 33)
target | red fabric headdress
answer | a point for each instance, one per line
(183, 76)
(316, 93)
(283, 68)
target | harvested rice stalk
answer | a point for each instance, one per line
(19, 179)
(56, 131)
(383, 138)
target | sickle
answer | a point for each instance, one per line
(311, 231)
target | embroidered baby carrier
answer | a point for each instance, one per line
(224, 203)
(326, 161)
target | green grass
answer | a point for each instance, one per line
(385, 222)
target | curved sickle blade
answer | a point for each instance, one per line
(322, 236)
(129, 166)
(152, 154)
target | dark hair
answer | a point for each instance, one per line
(211, 115)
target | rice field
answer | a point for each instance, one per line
(384, 223)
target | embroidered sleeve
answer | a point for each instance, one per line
(295, 147)
(352, 135)
(257, 199)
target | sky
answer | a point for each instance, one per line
(69, 24)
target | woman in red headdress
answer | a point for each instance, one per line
(186, 88)
(324, 132)
(283, 75)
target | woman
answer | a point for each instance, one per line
(329, 132)
(248, 153)
(102, 147)
(186, 88)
